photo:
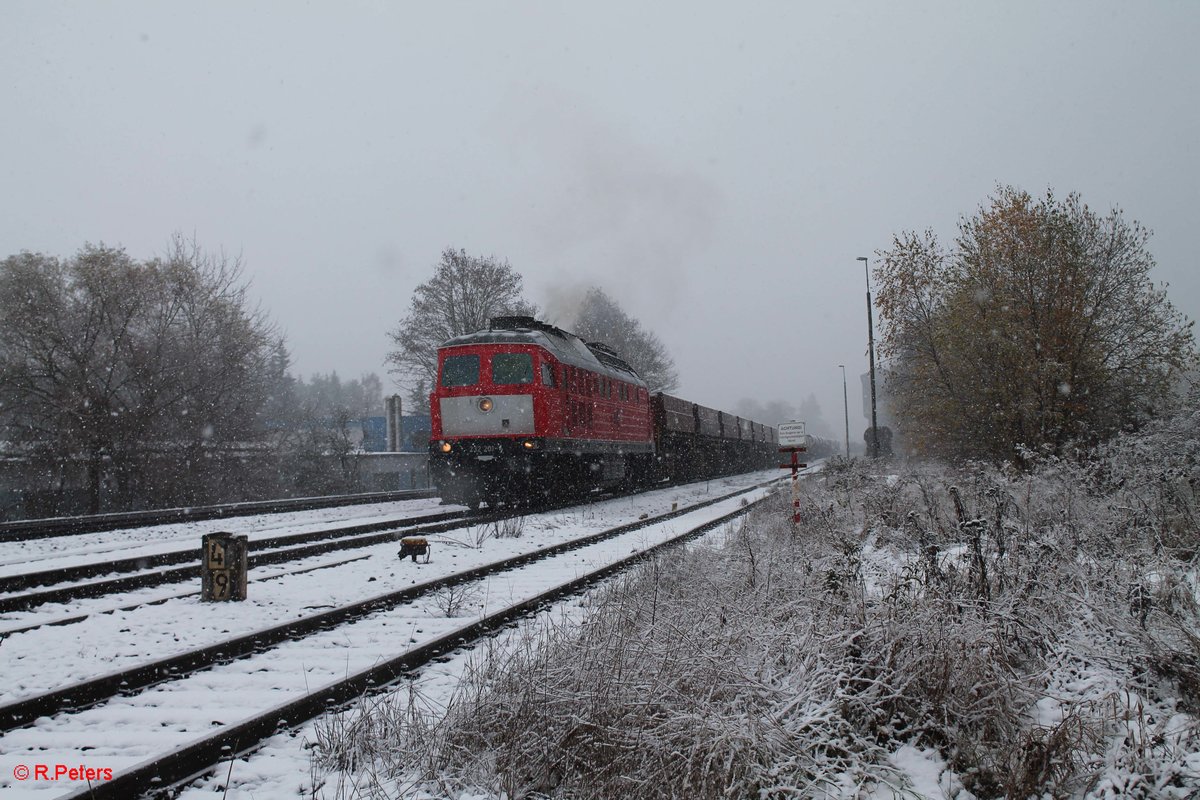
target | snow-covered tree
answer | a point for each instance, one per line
(1040, 326)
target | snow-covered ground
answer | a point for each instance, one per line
(282, 767)
(1029, 641)
(125, 731)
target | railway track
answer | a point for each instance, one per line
(24, 530)
(155, 569)
(407, 612)
(20, 713)
(145, 570)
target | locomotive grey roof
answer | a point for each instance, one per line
(566, 347)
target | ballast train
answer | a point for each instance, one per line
(525, 411)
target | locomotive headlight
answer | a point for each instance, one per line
(485, 404)
(529, 444)
(445, 447)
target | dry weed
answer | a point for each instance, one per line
(985, 613)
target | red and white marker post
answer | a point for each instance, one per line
(792, 439)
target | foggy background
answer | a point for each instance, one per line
(716, 170)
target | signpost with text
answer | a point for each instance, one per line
(792, 439)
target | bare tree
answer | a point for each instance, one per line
(1040, 326)
(601, 319)
(463, 294)
(771, 413)
(814, 420)
(143, 371)
(323, 425)
(326, 395)
(418, 397)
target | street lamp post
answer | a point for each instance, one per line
(846, 408)
(871, 345)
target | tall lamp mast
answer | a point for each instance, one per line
(871, 346)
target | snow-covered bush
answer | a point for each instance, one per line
(1029, 633)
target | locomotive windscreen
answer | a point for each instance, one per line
(512, 368)
(460, 370)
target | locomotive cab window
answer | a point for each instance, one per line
(460, 370)
(508, 368)
(547, 374)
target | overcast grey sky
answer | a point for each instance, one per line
(716, 168)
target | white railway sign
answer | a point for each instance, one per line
(791, 434)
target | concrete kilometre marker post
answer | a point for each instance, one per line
(223, 567)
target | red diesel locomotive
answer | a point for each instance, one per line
(526, 410)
